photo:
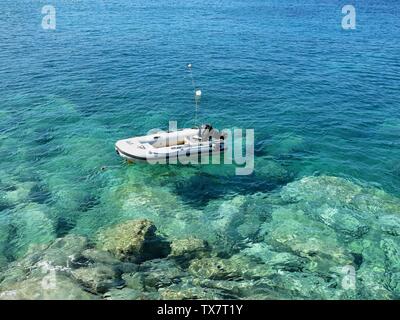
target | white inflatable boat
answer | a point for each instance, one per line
(176, 144)
(161, 146)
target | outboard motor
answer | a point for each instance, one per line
(206, 133)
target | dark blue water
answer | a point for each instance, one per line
(322, 101)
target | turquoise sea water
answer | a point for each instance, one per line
(323, 101)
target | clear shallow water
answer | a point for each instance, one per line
(322, 101)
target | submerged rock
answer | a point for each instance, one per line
(240, 288)
(18, 192)
(287, 144)
(91, 257)
(214, 268)
(98, 278)
(394, 285)
(124, 294)
(51, 287)
(133, 240)
(236, 220)
(3, 261)
(276, 260)
(99, 256)
(291, 243)
(391, 248)
(177, 292)
(130, 294)
(32, 225)
(271, 171)
(292, 230)
(372, 274)
(64, 251)
(236, 267)
(390, 224)
(372, 283)
(301, 285)
(4, 234)
(227, 216)
(325, 189)
(59, 256)
(375, 202)
(338, 192)
(134, 280)
(160, 273)
(189, 248)
(334, 223)
(343, 221)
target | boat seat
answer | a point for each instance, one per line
(189, 141)
(193, 140)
